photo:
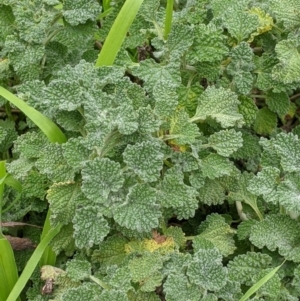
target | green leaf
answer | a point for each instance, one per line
(100, 177)
(242, 25)
(288, 193)
(245, 268)
(90, 227)
(85, 292)
(178, 288)
(287, 147)
(75, 153)
(52, 164)
(166, 98)
(6, 21)
(64, 241)
(117, 295)
(64, 95)
(78, 269)
(278, 103)
(240, 66)
(157, 75)
(278, 231)
(286, 11)
(79, 11)
(209, 44)
(265, 181)
(206, 269)
(173, 193)
(219, 104)
(226, 142)
(25, 57)
(288, 69)
(62, 198)
(214, 166)
(182, 131)
(250, 148)
(212, 192)
(219, 233)
(8, 134)
(177, 44)
(148, 122)
(145, 159)
(140, 211)
(248, 109)
(111, 251)
(265, 122)
(147, 271)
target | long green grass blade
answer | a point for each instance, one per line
(32, 263)
(260, 283)
(118, 32)
(50, 129)
(169, 15)
(8, 267)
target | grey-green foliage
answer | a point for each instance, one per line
(178, 177)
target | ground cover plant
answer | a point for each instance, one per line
(158, 160)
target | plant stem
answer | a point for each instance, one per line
(168, 21)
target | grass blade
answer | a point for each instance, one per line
(50, 129)
(260, 283)
(118, 33)
(32, 263)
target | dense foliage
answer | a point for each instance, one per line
(180, 179)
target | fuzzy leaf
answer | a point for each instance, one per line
(206, 269)
(6, 22)
(140, 211)
(287, 147)
(178, 288)
(219, 233)
(90, 227)
(62, 198)
(166, 98)
(248, 109)
(265, 122)
(242, 25)
(146, 270)
(209, 44)
(52, 164)
(278, 103)
(288, 193)
(86, 292)
(265, 181)
(240, 66)
(288, 70)
(226, 142)
(214, 166)
(245, 268)
(212, 192)
(153, 74)
(75, 153)
(278, 231)
(182, 131)
(173, 193)
(219, 104)
(100, 177)
(145, 159)
(78, 269)
(79, 11)
(8, 134)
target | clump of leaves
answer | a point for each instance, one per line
(194, 139)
